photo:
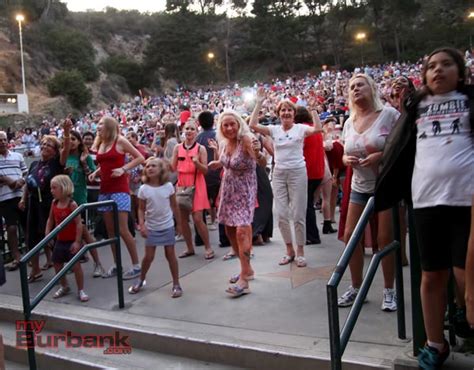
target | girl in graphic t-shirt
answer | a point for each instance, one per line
(432, 150)
(156, 207)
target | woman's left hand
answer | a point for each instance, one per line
(370, 160)
(256, 146)
(195, 159)
(117, 172)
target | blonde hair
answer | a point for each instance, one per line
(163, 170)
(53, 140)
(109, 133)
(244, 129)
(376, 101)
(65, 183)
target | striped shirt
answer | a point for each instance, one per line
(12, 165)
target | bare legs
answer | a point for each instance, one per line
(124, 233)
(240, 238)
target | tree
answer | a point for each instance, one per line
(70, 84)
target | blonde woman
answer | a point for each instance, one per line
(238, 195)
(111, 149)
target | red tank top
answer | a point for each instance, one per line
(109, 161)
(68, 234)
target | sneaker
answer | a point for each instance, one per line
(461, 326)
(179, 238)
(389, 303)
(430, 358)
(61, 292)
(111, 273)
(212, 226)
(83, 297)
(133, 273)
(348, 298)
(98, 270)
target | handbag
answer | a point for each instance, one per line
(185, 195)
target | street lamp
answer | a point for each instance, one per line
(361, 37)
(470, 17)
(20, 18)
(210, 56)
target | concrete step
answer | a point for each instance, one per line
(89, 359)
(174, 342)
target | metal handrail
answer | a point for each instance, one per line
(340, 339)
(29, 305)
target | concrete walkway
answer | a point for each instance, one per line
(286, 308)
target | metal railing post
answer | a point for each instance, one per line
(25, 295)
(118, 257)
(418, 327)
(399, 274)
(334, 336)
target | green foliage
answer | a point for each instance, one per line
(71, 85)
(73, 50)
(131, 71)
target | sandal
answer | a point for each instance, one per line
(61, 292)
(300, 261)
(235, 278)
(186, 254)
(135, 288)
(209, 255)
(285, 260)
(13, 266)
(237, 291)
(46, 266)
(176, 292)
(32, 278)
(229, 256)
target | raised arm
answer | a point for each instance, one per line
(317, 127)
(254, 125)
(67, 125)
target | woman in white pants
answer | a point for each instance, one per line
(289, 180)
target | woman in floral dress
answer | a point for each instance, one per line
(239, 154)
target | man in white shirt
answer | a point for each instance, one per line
(12, 171)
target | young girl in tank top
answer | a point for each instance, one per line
(68, 241)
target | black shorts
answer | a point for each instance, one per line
(9, 211)
(212, 192)
(62, 252)
(442, 233)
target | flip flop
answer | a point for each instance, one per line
(186, 254)
(285, 260)
(229, 256)
(209, 256)
(13, 266)
(46, 266)
(236, 277)
(300, 261)
(32, 278)
(237, 291)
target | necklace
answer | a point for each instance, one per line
(187, 147)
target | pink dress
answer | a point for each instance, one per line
(238, 195)
(186, 172)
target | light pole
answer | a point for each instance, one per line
(470, 17)
(361, 37)
(20, 18)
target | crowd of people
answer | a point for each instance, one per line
(223, 159)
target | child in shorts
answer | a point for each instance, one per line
(68, 241)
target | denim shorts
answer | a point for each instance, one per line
(360, 198)
(122, 200)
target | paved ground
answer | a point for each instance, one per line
(285, 300)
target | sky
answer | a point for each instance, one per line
(141, 5)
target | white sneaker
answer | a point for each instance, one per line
(83, 297)
(213, 226)
(111, 273)
(389, 303)
(179, 238)
(98, 271)
(348, 298)
(133, 273)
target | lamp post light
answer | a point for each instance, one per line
(361, 37)
(210, 56)
(470, 17)
(20, 18)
